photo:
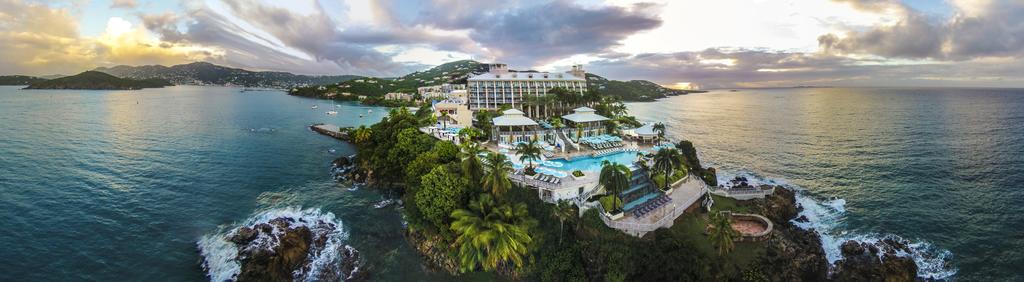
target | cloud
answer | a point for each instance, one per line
(979, 29)
(126, 4)
(38, 39)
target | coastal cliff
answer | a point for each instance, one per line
(94, 80)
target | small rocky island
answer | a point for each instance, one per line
(94, 80)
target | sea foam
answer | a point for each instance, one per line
(220, 256)
(827, 218)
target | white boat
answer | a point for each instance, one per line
(370, 111)
(314, 107)
(332, 112)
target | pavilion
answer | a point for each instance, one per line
(513, 126)
(591, 122)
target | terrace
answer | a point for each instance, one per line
(668, 207)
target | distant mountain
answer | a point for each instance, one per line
(633, 90)
(202, 73)
(94, 80)
(458, 71)
(19, 79)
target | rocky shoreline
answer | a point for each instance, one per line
(795, 254)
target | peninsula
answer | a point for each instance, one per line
(94, 80)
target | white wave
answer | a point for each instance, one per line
(220, 256)
(827, 218)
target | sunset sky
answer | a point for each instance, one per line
(722, 43)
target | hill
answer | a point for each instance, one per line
(457, 72)
(94, 80)
(19, 79)
(631, 91)
(202, 73)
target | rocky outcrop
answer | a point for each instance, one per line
(779, 207)
(794, 254)
(885, 260)
(282, 249)
(434, 251)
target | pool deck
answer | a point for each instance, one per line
(684, 194)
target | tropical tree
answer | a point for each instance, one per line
(472, 168)
(660, 128)
(468, 133)
(563, 211)
(615, 178)
(722, 234)
(529, 152)
(492, 235)
(441, 193)
(579, 132)
(496, 168)
(362, 134)
(444, 119)
(667, 160)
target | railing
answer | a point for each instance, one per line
(523, 179)
(648, 227)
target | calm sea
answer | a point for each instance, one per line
(942, 168)
(121, 185)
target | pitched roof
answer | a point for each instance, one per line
(646, 130)
(584, 114)
(512, 117)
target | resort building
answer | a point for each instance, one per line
(584, 122)
(499, 86)
(453, 111)
(644, 133)
(398, 96)
(513, 126)
(440, 92)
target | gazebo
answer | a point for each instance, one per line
(646, 133)
(592, 123)
(513, 126)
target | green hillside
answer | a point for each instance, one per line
(631, 91)
(19, 79)
(94, 80)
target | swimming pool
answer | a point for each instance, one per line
(594, 163)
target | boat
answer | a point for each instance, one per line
(332, 112)
(370, 111)
(314, 107)
(360, 115)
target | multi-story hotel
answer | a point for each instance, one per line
(499, 86)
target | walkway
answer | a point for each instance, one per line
(685, 194)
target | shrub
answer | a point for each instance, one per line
(577, 173)
(611, 203)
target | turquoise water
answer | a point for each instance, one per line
(121, 185)
(943, 168)
(594, 163)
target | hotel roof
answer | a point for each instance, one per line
(531, 76)
(513, 117)
(646, 130)
(584, 114)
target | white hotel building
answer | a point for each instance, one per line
(499, 86)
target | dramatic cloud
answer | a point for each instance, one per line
(979, 29)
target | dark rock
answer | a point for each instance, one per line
(243, 236)
(795, 255)
(802, 218)
(861, 262)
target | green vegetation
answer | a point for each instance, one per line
(692, 162)
(203, 73)
(667, 161)
(94, 80)
(19, 79)
(722, 234)
(633, 90)
(529, 152)
(496, 177)
(374, 88)
(491, 235)
(615, 178)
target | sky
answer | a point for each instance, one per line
(677, 43)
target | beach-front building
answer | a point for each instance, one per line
(453, 112)
(584, 122)
(398, 96)
(440, 92)
(645, 133)
(499, 86)
(513, 126)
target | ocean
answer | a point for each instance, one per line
(941, 168)
(133, 185)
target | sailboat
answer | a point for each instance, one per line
(314, 107)
(332, 112)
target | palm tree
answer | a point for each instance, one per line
(615, 178)
(722, 234)
(468, 133)
(490, 235)
(563, 211)
(660, 128)
(667, 160)
(444, 119)
(579, 132)
(362, 134)
(496, 171)
(472, 169)
(529, 152)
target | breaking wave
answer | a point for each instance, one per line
(827, 218)
(220, 255)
